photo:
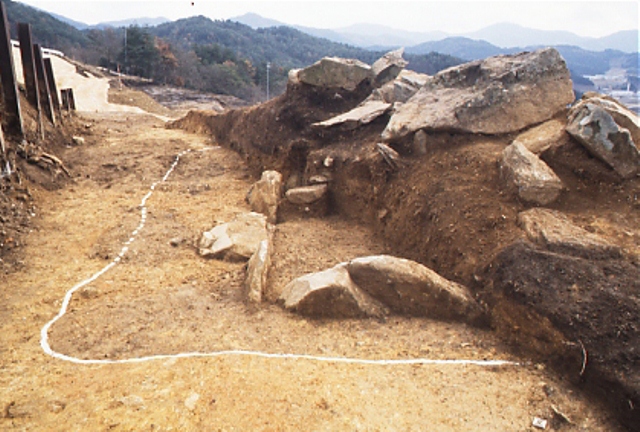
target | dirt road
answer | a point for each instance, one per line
(162, 299)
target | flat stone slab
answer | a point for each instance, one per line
(361, 115)
(498, 95)
(554, 230)
(307, 194)
(237, 240)
(540, 138)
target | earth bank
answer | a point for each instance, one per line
(445, 205)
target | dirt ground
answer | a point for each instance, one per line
(163, 299)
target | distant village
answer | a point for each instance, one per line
(616, 83)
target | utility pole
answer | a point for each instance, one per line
(125, 49)
(268, 68)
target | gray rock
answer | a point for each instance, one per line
(525, 172)
(401, 89)
(363, 114)
(78, 140)
(497, 95)
(408, 287)
(237, 240)
(388, 67)
(540, 138)
(307, 194)
(333, 72)
(557, 233)
(264, 196)
(257, 272)
(330, 293)
(592, 123)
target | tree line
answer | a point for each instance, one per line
(198, 53)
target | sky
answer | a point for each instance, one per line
(585, 18)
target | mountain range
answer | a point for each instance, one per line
(503, 35)
(262, 40)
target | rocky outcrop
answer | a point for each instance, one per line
(264, 195)
(609, 131)
(410, 288)
(237, 240)
(330, 293)
(502, 94)
(554, 231)
(333, 72)
(258, 271)
(529, 176)
(388, 67)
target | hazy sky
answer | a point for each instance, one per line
(585, 18)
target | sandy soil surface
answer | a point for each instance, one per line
(162, 299)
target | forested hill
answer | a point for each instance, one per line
(199, 53)
(284, 47)
(46, 29)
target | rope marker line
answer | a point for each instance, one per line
(46, 347)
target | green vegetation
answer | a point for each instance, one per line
(215, 56)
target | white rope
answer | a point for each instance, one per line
(46, 347)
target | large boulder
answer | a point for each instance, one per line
(264, 195)
(330, 293)
(388, 67)
(499, 95)
(237, 240)
(554, 230)
(609, 131)
(525, 172)
(334, 72)
(408, 287)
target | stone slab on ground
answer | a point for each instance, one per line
(237, 240)
(330, 293)
(408, 287)
(553, 230)
(305, 195)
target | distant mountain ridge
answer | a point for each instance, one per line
(502, 35)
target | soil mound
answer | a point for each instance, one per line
(442, 202)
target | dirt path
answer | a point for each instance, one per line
(163, 299)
